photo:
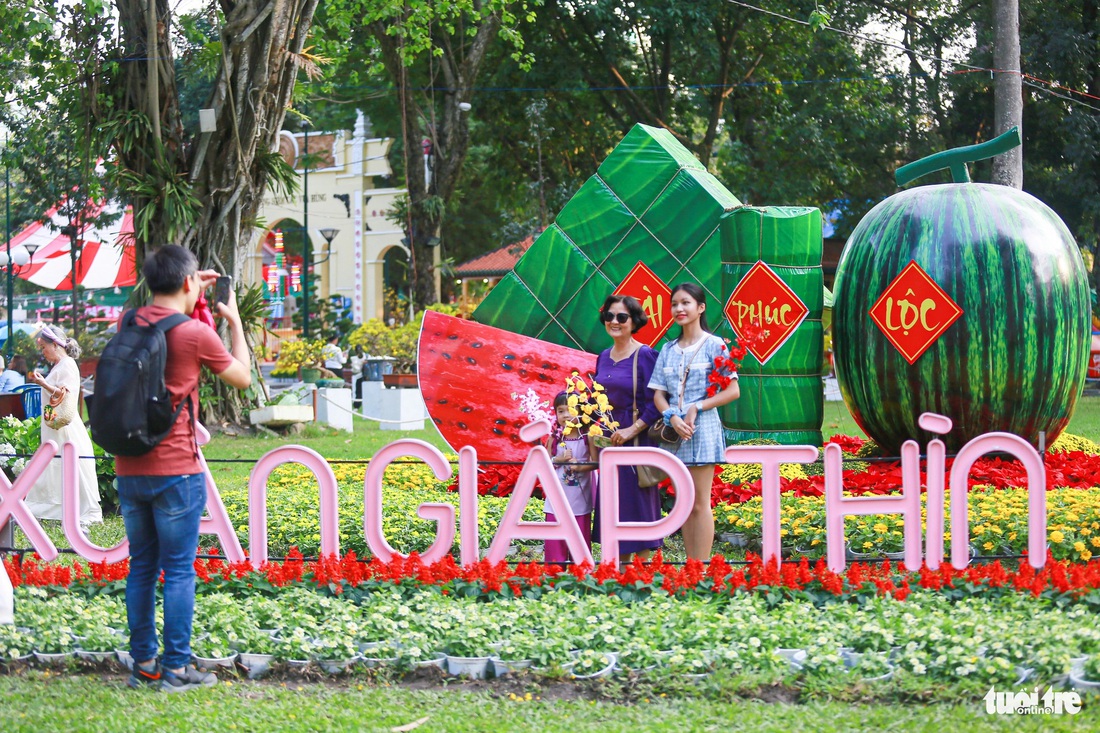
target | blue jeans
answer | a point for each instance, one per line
(162, 516)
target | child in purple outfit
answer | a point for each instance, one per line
(568, 447)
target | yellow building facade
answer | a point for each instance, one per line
(346, 180)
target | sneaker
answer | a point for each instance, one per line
(188, 679)
(145, 677)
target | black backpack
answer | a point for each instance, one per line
(131, 410)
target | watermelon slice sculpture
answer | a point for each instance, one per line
(468, 372)
(650, 218)
(966, 299)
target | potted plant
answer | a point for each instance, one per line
(98, 644)
(296, 648)
(1086, 673)
(54, 643)
(468, 652)
(590, 664)
(514, 654)
(302, 359)
(256, 651)
(212, 650)
(16, 644)
(335, 652)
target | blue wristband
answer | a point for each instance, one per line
(669, 414)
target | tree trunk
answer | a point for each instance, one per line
(225, 171)
(1008, 90)
(431, 183)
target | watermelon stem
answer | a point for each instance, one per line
(956, 159)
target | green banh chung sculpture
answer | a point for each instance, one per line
(652, 217)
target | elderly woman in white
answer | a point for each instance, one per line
(60, 393)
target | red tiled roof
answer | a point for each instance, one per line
(497, 263)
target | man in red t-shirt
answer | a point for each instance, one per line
(162, 493)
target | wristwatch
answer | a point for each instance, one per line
(698, 406)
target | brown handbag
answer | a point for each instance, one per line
(648, 475)
(664, 435)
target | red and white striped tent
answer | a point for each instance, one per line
(105, 258)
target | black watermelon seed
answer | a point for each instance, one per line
(506, 367)
(471, 360)
(475, 344)
(500, 421)
(442, 400)
(467, 408)
(498, 431)
(527, 360)
(446, 356)
(544, 378)
(547, 365)
(523, 372)
(509, 356)
(462, 425)
(437, 421)
(453, 337)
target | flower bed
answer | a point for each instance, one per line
(293, 517)
(951, 627)
(997, 518)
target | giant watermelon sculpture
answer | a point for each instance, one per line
(966, 299)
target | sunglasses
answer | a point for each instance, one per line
(620, 317)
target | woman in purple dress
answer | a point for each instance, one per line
(622, 316)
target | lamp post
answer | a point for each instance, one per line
(11, 260)
(7, 230)
(72, 231)
(329, 234)
(306, 254)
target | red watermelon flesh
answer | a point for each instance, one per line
(468, 372)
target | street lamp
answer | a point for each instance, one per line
(11, 259)
(329, 234)
(306, 254)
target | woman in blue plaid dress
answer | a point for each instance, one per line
(680, 380)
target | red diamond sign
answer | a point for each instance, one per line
(763, 299)
(913, 312)
(656, 299)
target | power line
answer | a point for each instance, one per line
(970, 68)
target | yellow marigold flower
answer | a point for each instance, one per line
(1079, 546)
(1071, 517)
(594, 431)
(1057, 537)
(988, 546)
(1095, 542)
(1086, 555)
(880, 528)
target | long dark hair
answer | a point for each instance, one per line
(699, 296)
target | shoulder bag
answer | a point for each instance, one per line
(662, 434)
(60, 410)
(666, 435)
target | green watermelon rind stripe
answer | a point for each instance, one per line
(1029, 374)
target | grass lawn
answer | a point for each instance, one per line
(1085, 421)
(38, 702)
